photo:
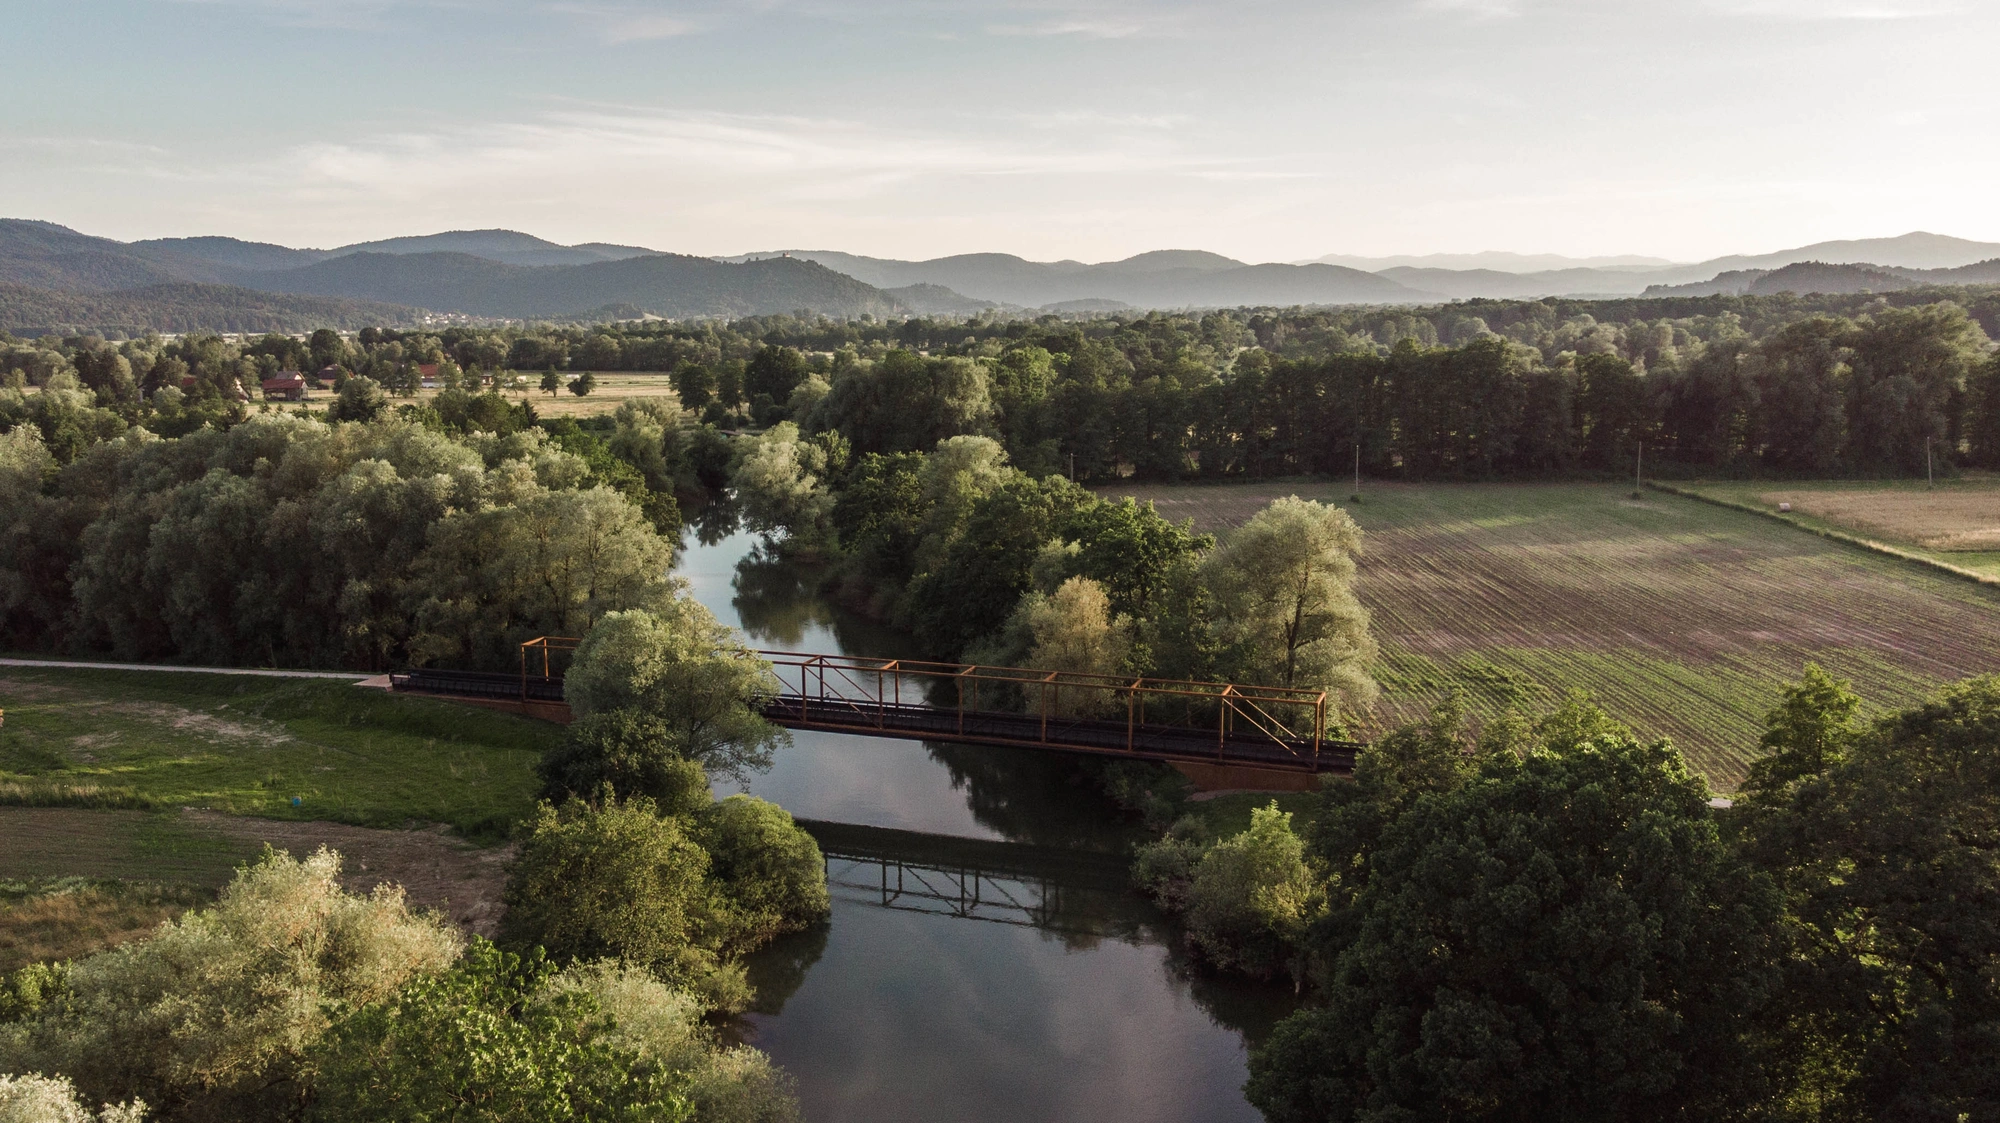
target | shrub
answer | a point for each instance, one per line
(488, 1042)
(614, 881)
(1252, 896)
(663, 1028)
(632, 754)
(210, 1017)
(769, 875)
(35, 1098)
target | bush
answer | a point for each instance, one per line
(631, 754)
(52, 1099)
(488, 1042)
(663, 1028)
(1165, 867)
(616, 881)
(1252, 896)
(210, 1018)
(769, 875)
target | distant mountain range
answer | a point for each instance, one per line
(461, 272)
(1194, 278)
(1160, 279)
(211, 281)
(1830, 277)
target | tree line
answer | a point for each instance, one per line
(1471, 389)
(288, 540)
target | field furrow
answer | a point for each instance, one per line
(1681, 618)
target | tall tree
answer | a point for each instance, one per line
(1284, 582)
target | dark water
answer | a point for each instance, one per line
(1007, 978)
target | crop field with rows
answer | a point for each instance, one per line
(1681, 618)
(1956, 522)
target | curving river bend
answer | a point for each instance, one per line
(1035, 989)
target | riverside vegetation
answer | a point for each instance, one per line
(1616, 949)
(1548, 916)
(633, 894)
(632, 897)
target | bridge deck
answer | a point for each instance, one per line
(886, 715)
(911, 721)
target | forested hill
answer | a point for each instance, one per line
(669, 285)
(185, 307)
(477, 273)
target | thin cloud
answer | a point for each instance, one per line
(1836, 10)
(326, 15)
(1479, 9)
(627, 25)
(1082, 28)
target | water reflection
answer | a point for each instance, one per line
(966, 979)
(984, 959)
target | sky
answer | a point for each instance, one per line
(1267, 130)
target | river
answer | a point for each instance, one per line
(1035, 988)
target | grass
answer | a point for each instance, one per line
(71, 917)
(1957, 522)
(1681, 618)
(611, 391)
(1228, 814)
(252, 746)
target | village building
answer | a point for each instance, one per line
(286, 386)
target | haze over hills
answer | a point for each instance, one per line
(416, 274)
(1159, 279)
(671, 285)
(1497, 260)
(511, 275)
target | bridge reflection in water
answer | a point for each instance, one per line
(1081, 893)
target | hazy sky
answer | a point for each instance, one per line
(1263, 129)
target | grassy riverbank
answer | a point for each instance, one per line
(251, 746)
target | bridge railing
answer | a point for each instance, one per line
(1289, 718)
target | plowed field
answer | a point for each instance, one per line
(1679, 617)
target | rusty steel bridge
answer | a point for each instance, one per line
(1233, 726)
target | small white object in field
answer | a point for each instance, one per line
(1722, 803)
(1784, 506)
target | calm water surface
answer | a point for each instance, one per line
(1035, 990)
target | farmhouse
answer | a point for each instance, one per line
(286, 386)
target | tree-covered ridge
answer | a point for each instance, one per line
(187, 307)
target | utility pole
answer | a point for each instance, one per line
(1356, 497)
(1930, 476)
(1072, 467)
(1638, 469)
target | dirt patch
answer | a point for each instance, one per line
(436, 871)
(207, 725)
(203, 848)
(1956, 519)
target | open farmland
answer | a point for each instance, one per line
(612, 390)
(1956, 522)
(1681, 618)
